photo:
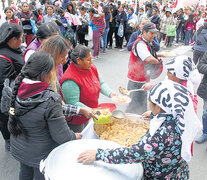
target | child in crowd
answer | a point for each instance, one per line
(40, 17)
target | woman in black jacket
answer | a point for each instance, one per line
(11, 62)
(202, 92)
(36, 121)
(112, 26)
(121, 20)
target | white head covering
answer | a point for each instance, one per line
(173, 98)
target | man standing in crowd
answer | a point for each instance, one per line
(142, 53)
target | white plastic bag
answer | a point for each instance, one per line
(121, 30)
(89, 36)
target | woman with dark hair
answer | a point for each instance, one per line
(46, 128)
(40, 15)
(112, 26)
(10, 17)
(58, 47)
(97, 23)
(81, 85)
(71, 9)
(25, 16)
(66, 31)
(11, 62)
(188, 29)
(163, 11)
(121, 19)
(44, 31)
(51, 16)
(131, 19)
(106, 31)
(166, 20)
(200, 45)
(83, 29)
(148, 10)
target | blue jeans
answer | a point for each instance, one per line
(177, 35)
(188, 36)
(105, 35)
(204, 117)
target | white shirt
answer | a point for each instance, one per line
(142, 51)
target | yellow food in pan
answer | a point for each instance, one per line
(124, 132)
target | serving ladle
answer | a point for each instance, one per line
(118, 114)
(123, 91)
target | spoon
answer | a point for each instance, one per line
(118, 114)
(123, 91)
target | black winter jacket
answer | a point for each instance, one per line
(44, 124)
(202, 68)
(7, 69)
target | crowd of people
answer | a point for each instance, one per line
(49, 85)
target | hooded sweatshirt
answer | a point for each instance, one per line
(39, 110)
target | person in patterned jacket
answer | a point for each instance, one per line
(165, 149)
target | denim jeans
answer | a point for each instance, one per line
(188, 36)
(28, 173)
(204, 117)
(105, 35)
(178, 35)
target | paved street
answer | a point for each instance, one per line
(113, 66)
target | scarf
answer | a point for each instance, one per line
(173, 98)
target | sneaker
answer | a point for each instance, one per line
(201, 139)
(98, 57)
(176, 44)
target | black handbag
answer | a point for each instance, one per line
(83, 29)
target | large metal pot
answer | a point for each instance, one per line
(61, 164)
(89, 133)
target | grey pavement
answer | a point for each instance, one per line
(113, 66)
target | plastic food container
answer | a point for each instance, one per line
(121, 100)
(103, 116)
(61, 163)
